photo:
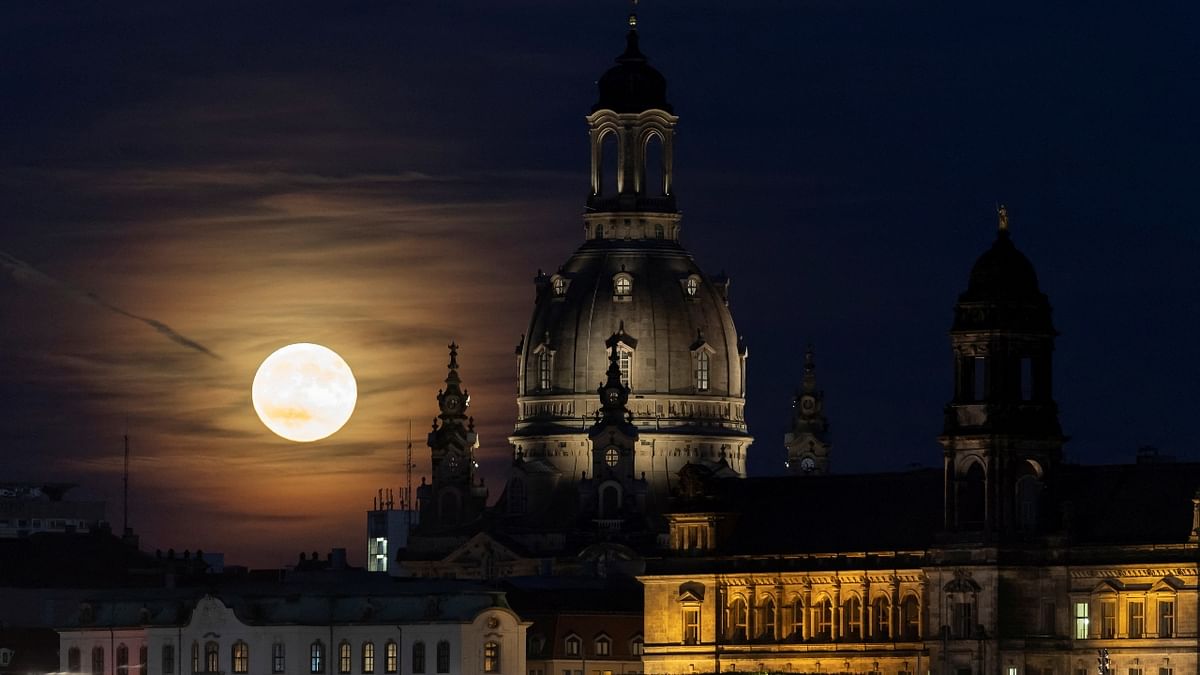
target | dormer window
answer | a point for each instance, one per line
(622, 287)
(603, 646)
(573, 645)
(702, 355)
(545, 366)
(559, 286)
(702, 371)
(625, 363)
(691, 285)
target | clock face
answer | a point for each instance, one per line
(808, 464)
(452, 402)
(808, 403)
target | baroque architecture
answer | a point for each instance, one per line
(808, 442)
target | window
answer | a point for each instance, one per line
(368, 657)
(241, 657)
(443, 657)
(980, 379)
(691, 625)
(391, 657)
(573, 645)
(1137, 618)
(1011, 670)
(97, 659)
(702, 370)
(739, 620)
(277, 662)
(143, 658)
(491, 657)
(316, 657)
(824, 619)
(418, 657)
(769, 623)
(1166, 618)
(910, 613)
(212, 657)
(623, 286)
(854, 619)
(658, 231)
(1026, 379)
(962, 618)
(122, 658)
(343, 657)
(560, 286)
(1108, 619)
(600, 231)
(544, 369)
(692, 285)
(1135, 671)
(611, 456)
(625, 363)
(1049, 611)
(798, 619)
(195, 657)
(637, 646)
(603, 646)
(882, 625)
(73, 660)
(1081, 621)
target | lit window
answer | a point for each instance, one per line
(798, 611)
(368, 657)
(625, 363)
(560, 286)
(391, 657)
(418, 657)
(611, 456)
(195, 657)
(702, 370)
(882, 624)
(344, 657)
(824, 619)
(739, 619)
(854, 618)
(544, 370)
(212, 656)
(637, 646)
(277, 661)
(316, 657)
(603, 646)
(241, 657)
(443, 657)
(1081, 621)
(491, 657)
(573, 645)
(1108, 619)
(623, 285)
(692, 285)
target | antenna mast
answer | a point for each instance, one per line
(125, 504)
(408, 467)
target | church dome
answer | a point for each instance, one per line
(632, 86)
(1002, 273)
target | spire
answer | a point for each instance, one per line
(633, 16)
(1002, 219)
(810, 375)
(613, 394)
(454, 400)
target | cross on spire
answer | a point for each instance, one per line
(633, 14)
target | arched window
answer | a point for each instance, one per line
(739, 620)
(418, 657)
(603, 646)
(560, 286)
(391, 657)
(1029, 496)
(212, 657)
(316, 657)
(654, 167)
(854, 618)
(277, 658)
(622, 286)
(241, 657)
(692, 285)
(443, 656)
(195, 657)
(768, 620)
(491, 657)
(824, 619)
(122, 659)
(143, 657)
(910, 618)
(544, 369)
(971, 494)
(798, 611)
(882, 610)
(573, 645)
(599, 230)
(608, 165)
(625, 363)
(97, 660)
(368, 657)
(343, 657)
(702, 370)
(612, 456)
(73, 660)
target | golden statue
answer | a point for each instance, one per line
(1002, 216)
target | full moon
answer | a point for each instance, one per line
(304, 392)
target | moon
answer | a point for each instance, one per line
(304, 392)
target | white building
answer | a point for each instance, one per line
(416, 629)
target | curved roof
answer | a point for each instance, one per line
(632, 85)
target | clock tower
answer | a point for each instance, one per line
(614, 497)
(453, 497)
(808, 442)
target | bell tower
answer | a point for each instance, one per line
(808, 441)
(1002, 440)
(632, 134)
(613, 494)
(452, 497)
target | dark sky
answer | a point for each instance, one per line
(383, 177)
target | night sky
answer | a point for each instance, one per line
(187, 187)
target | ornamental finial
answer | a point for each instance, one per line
(633, 14)
(1002, 217)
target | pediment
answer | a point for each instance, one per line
(479, 546)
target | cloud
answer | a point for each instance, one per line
(26, 273)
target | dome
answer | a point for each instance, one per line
(632, 85)
(1002, 273)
